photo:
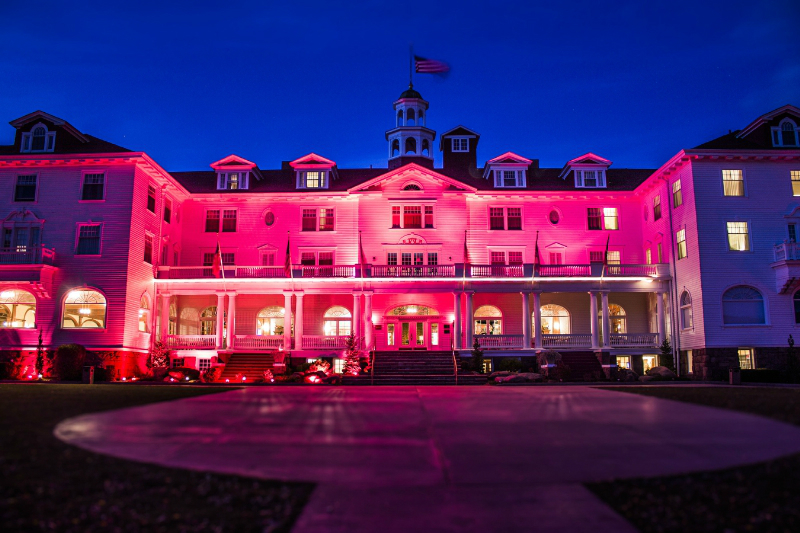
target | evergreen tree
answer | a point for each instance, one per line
(351, 357)
(666, 359)
(159, 356)
(477, 357)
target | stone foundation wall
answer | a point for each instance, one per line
(713, 363)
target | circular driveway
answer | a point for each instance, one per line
(438, 458)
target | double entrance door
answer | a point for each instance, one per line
(413, 334)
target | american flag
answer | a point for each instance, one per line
(216, 266)
(287, 263)
(430, 66)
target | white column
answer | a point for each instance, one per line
(660, 317)
(606, 323)
(537, 319)
(298, 321)
(526, 321)
(457, 324)
(470, 319)
(231, 319)
(357, 317)
(164, 316)
(220, 317)
(593, 320)
(368, 333)
(287, 321)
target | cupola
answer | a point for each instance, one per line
(410, 141)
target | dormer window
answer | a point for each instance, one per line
(312, 179)
(590, 179)
(232, 181)
(460, 144)
(785, 134)
(39, 139)
(509, 179)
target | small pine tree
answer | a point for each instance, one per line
(666, 355)
(40, 355)
(477, 357)
(351, 357)
(159, 356)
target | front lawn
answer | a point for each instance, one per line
(761, 497)
(51, 486)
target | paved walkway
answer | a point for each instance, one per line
(438, 459)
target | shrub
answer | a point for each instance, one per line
(268, 377)
(159, 356)
(181, 373)
(68, 362)
(665, 359)
(352, 356)
(210, 375)
(477, 358)
(320, 365)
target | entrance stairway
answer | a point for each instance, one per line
(584, 365)
(251, 365)
(413, 368)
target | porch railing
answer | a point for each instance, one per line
(323, 342)
(633, 340)
(199, 272)
(332, 271)
(191, 342)
(31, 255)
(500, 341)
(258, 342)
(632, 270)
(496, 271)
(787, 251)
(411, 271)
(571, 340)
(566, 271)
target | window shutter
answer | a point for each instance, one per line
(221, 180)
(498, 178)
(578, 178)
(245, 180)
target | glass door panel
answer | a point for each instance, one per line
(405, 339)
(420, 336)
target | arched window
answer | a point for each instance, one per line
(421, 118)
(617, 318)
(787, 134)
(413, 310)
(173, 319)
(270, 321)
(426, 147)
(395, 148)
(412, 187)
(84, 308)
(488, 320)
(144, 314)
(555, 320)
(38, 135)
(208, 321)
(338, 321)
(686, 311)
(17, 309)
(411, 146)
(743, 305)
(399, 118)
(410, 120)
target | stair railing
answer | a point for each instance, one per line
(372, 368)
(455, 366)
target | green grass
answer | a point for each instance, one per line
(760, 497)
(47, 485)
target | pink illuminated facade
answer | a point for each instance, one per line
(104, 248)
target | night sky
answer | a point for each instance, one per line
(189, 86)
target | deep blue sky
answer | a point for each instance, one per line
(190, 85)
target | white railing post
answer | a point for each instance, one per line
(164, 316)
(287, 322)
(470, 313)
(220, 318)
(606, 324)
(457, 325)
(660, 317)
(593, 320)
(368, 333)
(537, 319)
(526, 321)
(298, 319)
(231, 319)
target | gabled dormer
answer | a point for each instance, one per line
(588, 171)
(36, 132)
(313, 172)
(507, 171)
(459, 148)
(234, 173)
(777, 129)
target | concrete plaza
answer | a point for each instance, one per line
(438, 459)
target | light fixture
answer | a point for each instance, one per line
(5, 295)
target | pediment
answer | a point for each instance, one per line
(40, 116)
(589, 159)
(509, 158)
(312, 159)
(413, 172)
(555, 246)
(23, 215)
(231, 162)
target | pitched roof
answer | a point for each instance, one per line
(92, 146)
(730, 141)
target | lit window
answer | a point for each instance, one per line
(89, 236)
(337, 322)
(232, 181)
(610, 218)
(212, 221)
(208, 321)
(624, 361)
(795, 174)
(93, 187)
(656, 207)
(648, 256)
(677, 195)
(617, 318)
(270, 321)
(312, 179)
(488, 320)
(148, 249)
(686, 311)
(460, 145)
(738, 237)
(509, 178)
(17, 309)
(732, 183)
(555, 320)
(151, 198)
(590, 179)
(84, 308)
(743, 305)
(26, 189)
(681, 238)
(229, 220)
(746, 358)
(144, 315)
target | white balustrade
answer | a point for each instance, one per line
(500, 341)
(323, 342)
(571, 340)
(191, 342)
(258, 342)
(634, 340)
(563, 271)
(496, 271)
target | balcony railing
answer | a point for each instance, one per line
(787, 251)
(571, 340)
(496, 271)
(519, 272)
(30, 255)
(410, 271)
(323, 342)
(191, 342)
(493, 342)
(258, 342)
(633, 340)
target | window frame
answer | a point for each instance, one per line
(777, 134)
(656, 207)
(35, 188)
(506, 218)
(764, 307)
(235, 219)
(206, 220)
(318, 219)
(397, 211)
(598, 174)
(686, 309)
(498, 175)
(85, 173)
(149, 236)
(63, 310)
(677, 194)
(26, 141)
(748, 234)
(224, 180)
(457, 142)
(743, 181)
(80, 225)
(603, 218)
(151, 198)
(302, 178)
(794, 178)
(167, 211)
(682, 252)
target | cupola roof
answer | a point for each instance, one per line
(410, 92)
